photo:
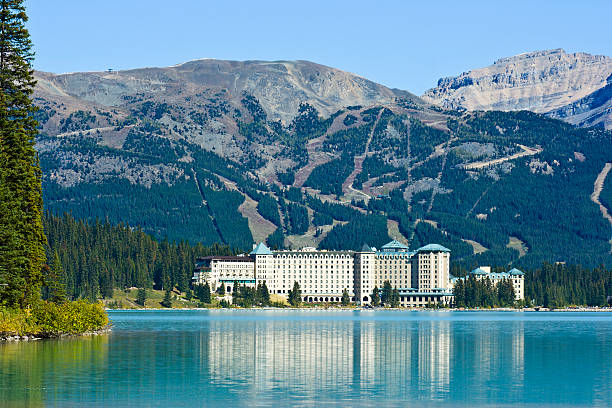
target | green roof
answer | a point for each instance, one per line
(366, 248)
(515, 271)
(433, 248)
(478, 271)
(261, 249)
(394, 245)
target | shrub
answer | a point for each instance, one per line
(51, 318)
(72, 317)
(16, 321)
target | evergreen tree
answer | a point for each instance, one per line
(205, 294)
(221, 289)
(459, 293)
(167, 302)
(263, 295)
(385, 297)
(106, 285)
(22, 239)
(395, 298)
(54, 289)
(505, 293)
(295, 294)
(345, 298)
(141, 297)
(375, 297)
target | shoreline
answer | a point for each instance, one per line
(48, 336)
(500, 309)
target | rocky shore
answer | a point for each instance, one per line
(41, 336)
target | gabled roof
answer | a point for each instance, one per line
(366, 248)
(261, 249)
(433, 248)
(515, 271)
(479, 271)
(394, 245)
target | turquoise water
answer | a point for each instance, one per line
(319, 358)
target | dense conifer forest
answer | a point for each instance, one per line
(24, 275)
(95, 257)
(416, 174)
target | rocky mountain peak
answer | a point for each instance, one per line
(280, 86)
(539, 81)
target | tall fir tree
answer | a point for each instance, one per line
(375, 296)
(22, 240)
(167, 301)
(205, 296)
(55, 288)
(295, 295)
(345, 298)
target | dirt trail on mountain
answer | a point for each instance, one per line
(358, 160)
(90, 131)
(434, 190)
(260, 227)
(205, 205)
(526, 151)
(394, 232)
(597, 187)
(315, 159)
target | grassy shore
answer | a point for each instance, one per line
(47, 319)
(127, 299)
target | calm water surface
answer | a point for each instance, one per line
(319, 358)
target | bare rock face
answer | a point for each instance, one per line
(280, 86)
(594, 109)
(541, 81)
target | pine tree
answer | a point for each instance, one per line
(54, 281)
(22, 239)
(205, 293)
(345, 298)
(141, 297)
(375, 297)
(263, 295)
(385, 298)
(505, 293)
(167, 302)
(295, 295)
(395, 298)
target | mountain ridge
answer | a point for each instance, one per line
(185, 158)
(545, 81)
(279, 85)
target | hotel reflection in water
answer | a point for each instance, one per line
(397, 358)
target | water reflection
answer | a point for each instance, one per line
(306, 358)
(358, 357)
(25, 367)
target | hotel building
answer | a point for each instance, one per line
(421, 276)
(516, 277)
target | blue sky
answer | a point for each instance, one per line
(401, 44)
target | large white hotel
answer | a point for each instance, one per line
(422, 277)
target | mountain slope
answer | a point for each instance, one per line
(200, 163)
(541, 82)
(594, 109)
(280, 85)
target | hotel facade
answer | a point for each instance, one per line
(514, 276)
(422, 276)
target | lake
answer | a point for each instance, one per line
(319, 358)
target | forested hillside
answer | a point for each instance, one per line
(500, 188)
(92, 258)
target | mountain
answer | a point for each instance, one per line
(594, 109)
(553, 82)
(187, 154)
(280, 85)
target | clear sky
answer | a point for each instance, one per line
(401, 44)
